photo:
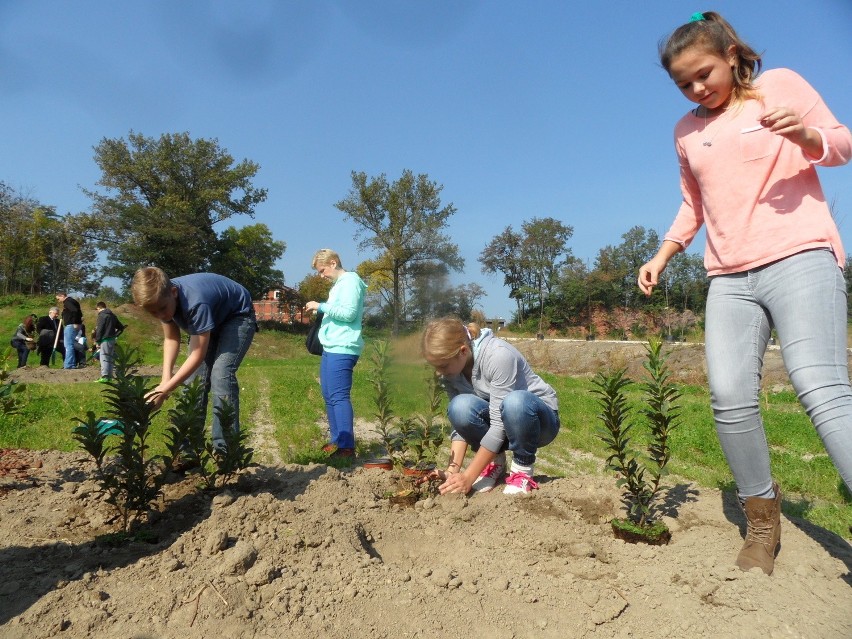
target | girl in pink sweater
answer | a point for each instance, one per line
(747, 157)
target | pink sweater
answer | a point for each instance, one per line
(758, 194)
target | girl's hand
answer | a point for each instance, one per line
(786, 123)
(456, 483)
(649, 275)
(431, 476)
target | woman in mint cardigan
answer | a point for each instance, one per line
(340, 335)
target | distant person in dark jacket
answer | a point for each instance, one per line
(72, 319)
(47, 326)
(108, 328)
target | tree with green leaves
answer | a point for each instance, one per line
(404, 219)
(544, 250)
(248, 256)
(163, 198)
(40, 251)
(503, 255)
(313, 287)
(529, 260)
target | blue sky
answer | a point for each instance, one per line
(519, 109)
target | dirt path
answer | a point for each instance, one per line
(266, 448)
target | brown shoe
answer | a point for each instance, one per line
(763, 533)
(342, 453)
(328, 449)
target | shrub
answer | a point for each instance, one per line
(662, 415)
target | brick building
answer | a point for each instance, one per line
(281, 304)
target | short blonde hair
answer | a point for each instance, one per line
(443, 338)
(149, 286)
(326, 256)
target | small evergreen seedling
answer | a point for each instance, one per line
(10, 390)
(185, 435)
(639, 476)
(381, 397)
(236, 454)
(430, 431)
(132, 480)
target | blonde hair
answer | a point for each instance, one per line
(149, 286)
(326, 256)
(713, 33)
(443, 338)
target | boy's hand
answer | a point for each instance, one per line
(156, 397)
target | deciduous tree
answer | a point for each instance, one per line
(163, 198)
(248, 255)
(404, 220)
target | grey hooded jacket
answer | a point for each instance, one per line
(498, 369)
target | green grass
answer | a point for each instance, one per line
(279, 381)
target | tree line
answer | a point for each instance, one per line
(161, 201)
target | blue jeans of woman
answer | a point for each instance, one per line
(804, 298)
(336, 384)
(228, 345)
(528, 421)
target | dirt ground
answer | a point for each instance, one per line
(317, 552)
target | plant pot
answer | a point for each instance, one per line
(418, 471)
(381, 463)
(656, 534)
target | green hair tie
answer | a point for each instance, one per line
(696, 17)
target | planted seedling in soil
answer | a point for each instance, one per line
(639, 476)
(187, 439)
(10, 390)
(130, 479)
(381, 398)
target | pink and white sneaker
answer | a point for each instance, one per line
(519, 484)
(490, 475)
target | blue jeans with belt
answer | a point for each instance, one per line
(804, 298)
(529, 422)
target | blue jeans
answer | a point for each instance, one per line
(528, 421)
(336, 384)
(107, 357)
(228, 345)
(68, 335)
(804, 298)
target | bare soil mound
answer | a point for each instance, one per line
(320, 553)
(317, 552)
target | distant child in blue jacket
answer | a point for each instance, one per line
(340, 335)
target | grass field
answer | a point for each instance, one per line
(279, 379)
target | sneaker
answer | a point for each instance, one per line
(490, 475)
(342, 453)
(328, 449)
(102, 380)
(519, 484)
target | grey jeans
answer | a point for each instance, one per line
(804, 298)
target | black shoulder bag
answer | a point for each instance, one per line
(312, 342)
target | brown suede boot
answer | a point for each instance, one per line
(763, 534)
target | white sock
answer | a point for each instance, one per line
(520, 468)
